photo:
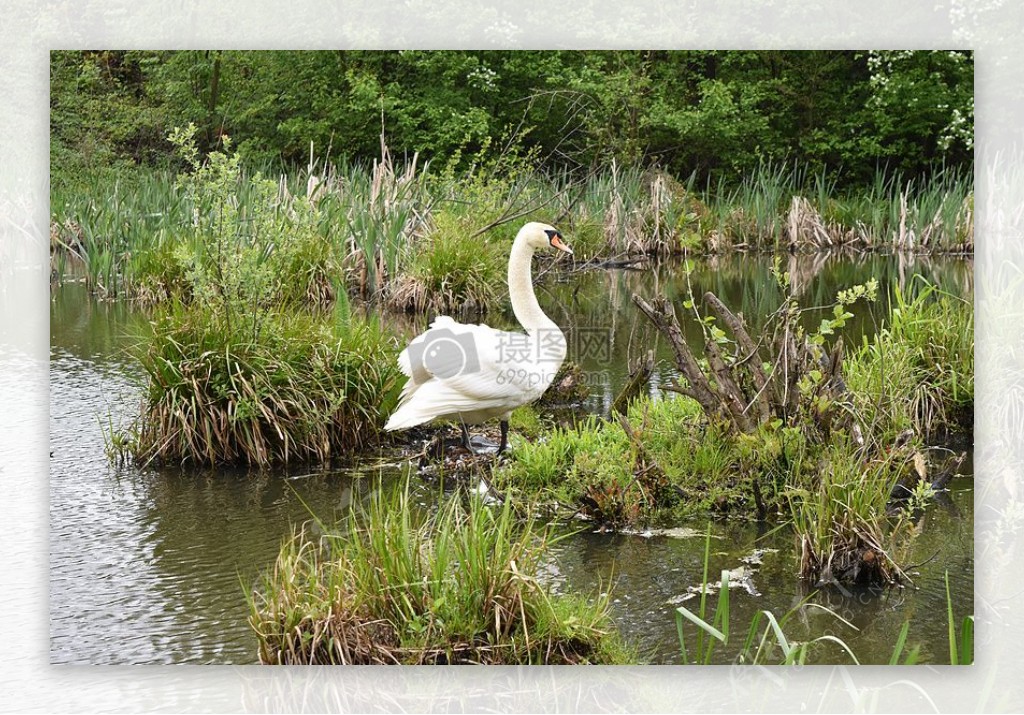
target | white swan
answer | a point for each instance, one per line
(474, 373)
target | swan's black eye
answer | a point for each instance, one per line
(552, 235)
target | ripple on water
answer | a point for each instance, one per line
(148, 566)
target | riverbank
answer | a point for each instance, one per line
(414, 238)
(193, 534)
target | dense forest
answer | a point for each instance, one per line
(709, 114)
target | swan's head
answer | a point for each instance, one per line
(540, 235)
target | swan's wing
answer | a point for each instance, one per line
(459, 368)
(472, 358)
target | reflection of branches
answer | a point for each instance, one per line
(804, 268)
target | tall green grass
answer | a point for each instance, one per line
(373, 230)
(913, 214)
(122, 229)
(918, 371)
(300, 389)
(752, 214)
(401, 586)
(375, 215)
(839, 512)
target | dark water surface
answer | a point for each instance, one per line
(151, 565)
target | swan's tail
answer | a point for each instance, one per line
(404, 417)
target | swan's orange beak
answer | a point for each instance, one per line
(558, 243)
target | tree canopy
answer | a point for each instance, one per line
(713, 113)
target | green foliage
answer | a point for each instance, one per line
(922, 95)
(918, 372)
(298, 389)
(404, 587)
(844, 299)
(251, 244)
(716, 113)
(103, 116)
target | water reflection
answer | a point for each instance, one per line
(647, 573)
(600, 302)
(150, 566)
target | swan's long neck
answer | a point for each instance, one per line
(520, 290)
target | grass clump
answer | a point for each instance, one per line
(404, 587)
(841, 518)
(918, 371)
(452, 273)
(300, 388)
(598, 469)
(239, 369)
(914, 378)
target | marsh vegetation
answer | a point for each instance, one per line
(277, 294)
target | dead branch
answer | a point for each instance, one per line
(639, 374)
(663, 315)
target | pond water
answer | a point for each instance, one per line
(152, 565)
